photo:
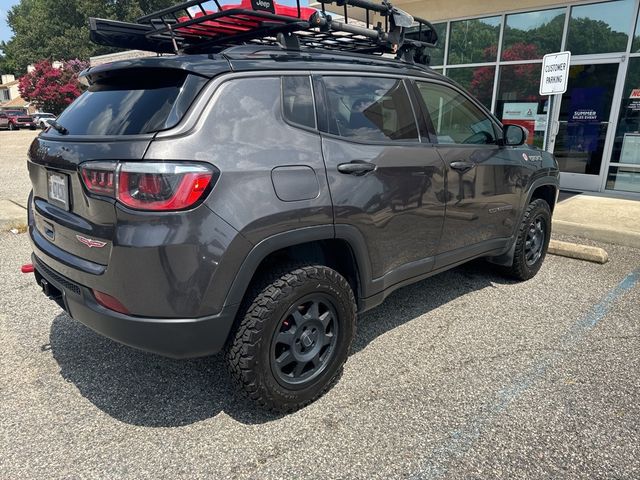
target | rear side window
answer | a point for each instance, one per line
(297, 101)
(455, 118)
(132, 102)
(369, 109)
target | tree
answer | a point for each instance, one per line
(59, 30)
(52, 89)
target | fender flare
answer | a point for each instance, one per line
(301, 236)
(541, 182)
(506, 259)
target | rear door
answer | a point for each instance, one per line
(484, 180)
(4, 120)
(385, 179)
(114, 120)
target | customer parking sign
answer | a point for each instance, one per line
(555, 73)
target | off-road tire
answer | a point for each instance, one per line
(521, 269)
(249, 349)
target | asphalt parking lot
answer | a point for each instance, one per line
(464, 375)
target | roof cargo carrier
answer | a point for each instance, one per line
(197, 27)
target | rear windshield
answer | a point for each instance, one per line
(132, 102)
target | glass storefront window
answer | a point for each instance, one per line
(437, 54)
(478, 81)
(626, 145)
(600, 27)
(474, 41)
(519, 101)
(532, 35)
(624, 179)
(635, 47)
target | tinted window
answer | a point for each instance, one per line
(297, 101)
(600, 27)
(369, 109)
(533, 34)
(455, 118)
(474, 41)
(478, 81)
(132, 103)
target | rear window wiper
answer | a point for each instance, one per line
(59, 128)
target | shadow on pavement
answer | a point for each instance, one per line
(148, 390)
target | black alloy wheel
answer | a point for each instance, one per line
(534, 243)
(305, 342)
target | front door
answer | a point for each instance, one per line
(583, 131)
(484, 180)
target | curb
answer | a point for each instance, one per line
(579, 252)
(11, 215)
(601, 234)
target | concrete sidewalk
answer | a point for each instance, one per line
(599, 217)
(12, 215)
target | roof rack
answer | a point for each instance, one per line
(209, 26)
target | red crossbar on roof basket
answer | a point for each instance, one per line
(239, 22)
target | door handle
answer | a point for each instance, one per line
(357, 167)
(462, 166)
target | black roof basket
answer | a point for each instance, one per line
(208, 26)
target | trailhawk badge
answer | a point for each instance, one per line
(89, 242)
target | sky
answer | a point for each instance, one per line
(5, 5)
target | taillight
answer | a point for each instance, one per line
(100, 177)
(158, 186)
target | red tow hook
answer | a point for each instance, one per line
(28, 268)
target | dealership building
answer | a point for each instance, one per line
(495, 50)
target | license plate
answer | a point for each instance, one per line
(59, 190)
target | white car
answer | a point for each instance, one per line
(40, 119)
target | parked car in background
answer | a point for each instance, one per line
(40, 119)
(16, 120)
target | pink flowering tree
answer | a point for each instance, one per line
(52, 89)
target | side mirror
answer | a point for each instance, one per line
(514, 135)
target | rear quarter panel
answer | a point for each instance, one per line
(242, 132)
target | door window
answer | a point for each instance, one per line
(454, 117)
(297, 101)
(369, 109)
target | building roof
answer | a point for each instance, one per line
(10, 84)
(17, 102)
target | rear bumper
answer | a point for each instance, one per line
(175, 338)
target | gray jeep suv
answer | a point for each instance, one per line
(256, 200)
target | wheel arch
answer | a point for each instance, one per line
(340, 247)
(545, 188)
(545, 191)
